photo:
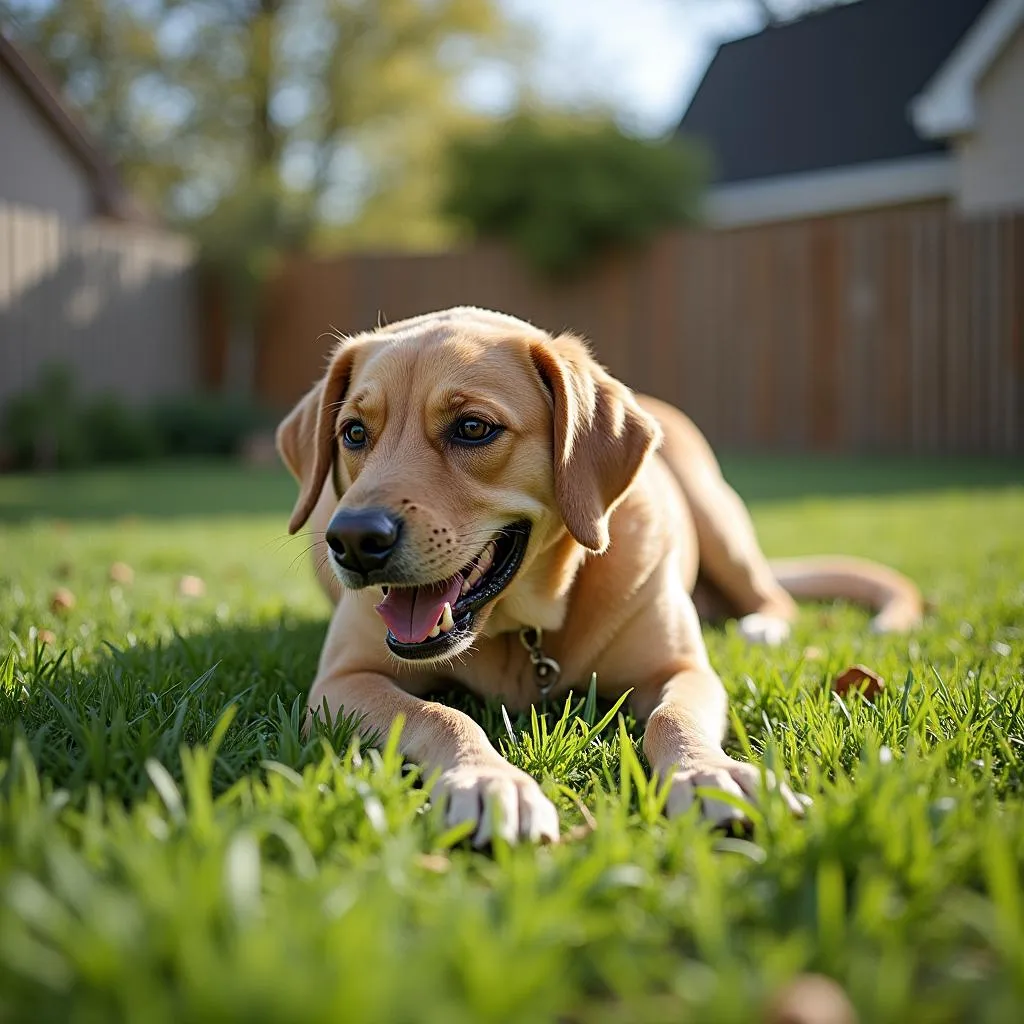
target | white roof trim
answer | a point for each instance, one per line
(946, 105)
(813, 194)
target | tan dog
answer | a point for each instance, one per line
(503, 514)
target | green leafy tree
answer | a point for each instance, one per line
(560, 192)
(258, 124)
(198, 100)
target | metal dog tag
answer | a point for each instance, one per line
(546, 671)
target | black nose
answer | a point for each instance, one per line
(363, 539)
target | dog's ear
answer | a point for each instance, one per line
(306, 437)
(601, 437)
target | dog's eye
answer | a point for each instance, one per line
(354, 434)
(470, 430)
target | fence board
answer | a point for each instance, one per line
(115, 304)
(887, 330)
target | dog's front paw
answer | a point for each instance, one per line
(729, 776)
(499, 800)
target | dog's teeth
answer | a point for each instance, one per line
(447, 622)
(436, 631)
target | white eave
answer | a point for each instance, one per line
(839, 190)
(947, 107)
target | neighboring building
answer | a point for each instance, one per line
(87, 280)
(49, 161)
(871, 103)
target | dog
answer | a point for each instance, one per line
(501, 513)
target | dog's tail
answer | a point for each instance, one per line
(895, 600)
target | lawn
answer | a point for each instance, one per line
(171, 849)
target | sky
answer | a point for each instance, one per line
(644, 56)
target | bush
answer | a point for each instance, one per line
(208, 424)
(52, 427)
(114, 432)
(41, 428)
(562, 193)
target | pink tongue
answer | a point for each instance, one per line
(412, 612)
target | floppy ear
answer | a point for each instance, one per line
(601, 437)
(306, 438)
(296, 432)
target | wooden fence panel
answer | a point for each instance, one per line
(115, 304)
(896, 330)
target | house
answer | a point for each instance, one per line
(88, 281)
(50, 161)
(868, 104)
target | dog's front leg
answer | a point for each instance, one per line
(477, 784)
(683, 742)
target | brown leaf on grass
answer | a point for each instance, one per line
(811, 999)
(62, 600)
(191, 586)
(857, 677)
(434, 862)
(121, 572)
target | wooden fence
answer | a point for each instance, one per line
(115, 304)
(896, 330)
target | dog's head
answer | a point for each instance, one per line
(461, 445)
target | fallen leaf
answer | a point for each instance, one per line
(811, 999)
(62, 600)
(121, 572)
(857, 677)
(191, 586)
(433, 862)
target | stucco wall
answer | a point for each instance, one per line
(991, 159)
(36, 167)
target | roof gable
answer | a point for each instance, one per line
(827, 91)
(947, 105)
(112, 199)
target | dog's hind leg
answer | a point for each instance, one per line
(730, 556)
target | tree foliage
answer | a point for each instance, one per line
(561, 192)
(257, 121)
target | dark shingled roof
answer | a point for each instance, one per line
(829, 90)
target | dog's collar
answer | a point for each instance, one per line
(546, 671)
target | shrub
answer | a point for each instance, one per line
(114, 432)
(52, 427)
(208, 424)
(562, 193)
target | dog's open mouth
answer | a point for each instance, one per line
(432, 620)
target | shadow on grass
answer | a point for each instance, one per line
(761, 479)
(98, 724)
(170, 490)
(154, 490)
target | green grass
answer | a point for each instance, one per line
(171, 849)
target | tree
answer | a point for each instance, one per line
(562, 191)
(253, 123)
(197, 99)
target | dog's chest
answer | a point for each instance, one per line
(501, 668)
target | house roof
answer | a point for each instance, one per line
(112, 199)
(827, 91)
(947, 106)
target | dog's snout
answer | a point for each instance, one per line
(363, 539)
